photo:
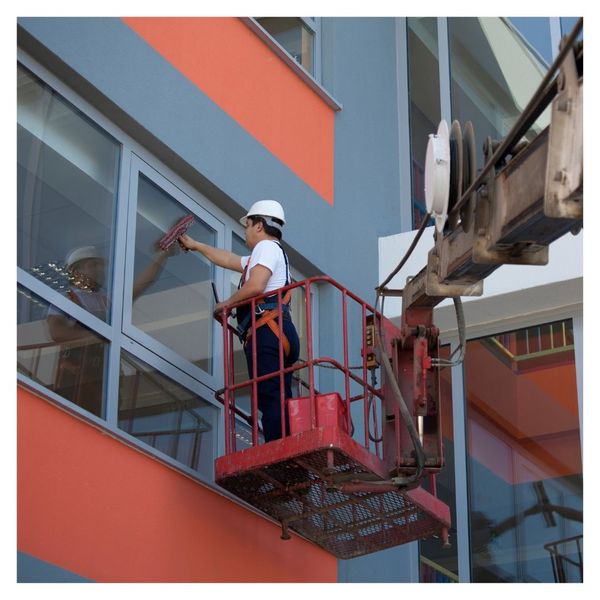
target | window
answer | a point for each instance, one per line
(60, 353)
(295, 35)
(524, 456)
(493, 76)
(171, 293)
(166, 415)
(425, 114)
(67, 171)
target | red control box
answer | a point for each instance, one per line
(329, 409)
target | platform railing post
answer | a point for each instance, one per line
(281, 366)
(310, 358)
(346, 361)
(364, 358)
(226, 381)
(254, 395)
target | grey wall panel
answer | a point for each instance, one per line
(367, 184)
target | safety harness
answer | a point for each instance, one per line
(266, 310)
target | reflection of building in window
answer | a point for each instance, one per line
(525, 469)
(493, 76)
(295, 37)
(165, 415)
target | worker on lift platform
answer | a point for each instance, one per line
(264, 271)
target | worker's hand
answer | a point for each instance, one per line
(219, 308)
(186, 242)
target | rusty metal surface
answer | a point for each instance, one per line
(298, 490)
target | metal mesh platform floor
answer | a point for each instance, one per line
(291, 480)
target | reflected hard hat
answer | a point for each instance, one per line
(82, 253)
(269, 210)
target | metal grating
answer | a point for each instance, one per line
(297, 492)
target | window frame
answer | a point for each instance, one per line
(139, 166)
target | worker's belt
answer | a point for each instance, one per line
(266, 314)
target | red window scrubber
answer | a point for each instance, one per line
(175, 232)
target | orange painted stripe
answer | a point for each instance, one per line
(241, 74)
(94, 506)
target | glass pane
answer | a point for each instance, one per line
(439, 564)
(567, 24)
(425, 114)
(67, 172)
(166, 416)
(172, 293)
(59, 352)
(294, 36)
(536, 30)
(494, 74)
(525, 470)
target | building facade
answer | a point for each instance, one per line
(127, 124)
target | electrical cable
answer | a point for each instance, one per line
(462, 338)
(381, 287)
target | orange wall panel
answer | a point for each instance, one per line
(241, 74)
(94, 506)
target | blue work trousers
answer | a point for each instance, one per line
(267, 353)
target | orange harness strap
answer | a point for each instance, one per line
(268, 318)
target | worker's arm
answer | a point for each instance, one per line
(221, 258)
(149, 275)
(254, 286)
(62, 329)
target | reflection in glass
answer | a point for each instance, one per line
(567, 24)
(60, 353)
(536, 31)
(294, 36)
(67, 172)
(494, 74)
(425, 114)
(165, 415)
(172, 293)
(525, 469)
(439, 564)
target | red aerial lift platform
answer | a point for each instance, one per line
(320, 480)
(305, 481)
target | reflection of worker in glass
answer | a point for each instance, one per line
(265, 270)
(80, 369)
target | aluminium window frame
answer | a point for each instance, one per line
(140, 167)
(112, 331)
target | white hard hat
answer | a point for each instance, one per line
(81, 253)
(266, 208)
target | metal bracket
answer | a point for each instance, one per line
(490, 220)
(563, 196)
(434, 286)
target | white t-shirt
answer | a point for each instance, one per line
(268, 254)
